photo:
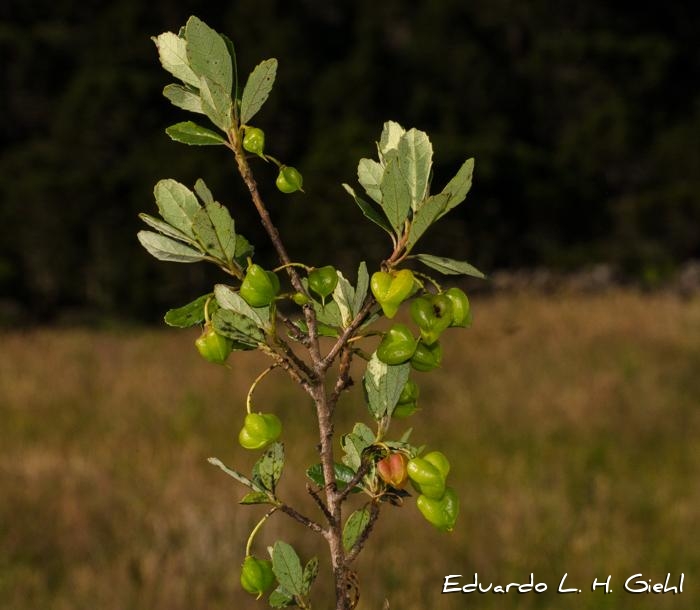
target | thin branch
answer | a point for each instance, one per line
(321, 504)
(291, 354)
(347, 333)
(289, 367)
(247, 175)
(352, 483)
(295, 332)
(344, 380)
(297, 516)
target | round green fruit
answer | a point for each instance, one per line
(259, 287)
(442, 512)
(461, 310)
(397, 346)
(254, 140)
(289, 180)
(426, 357)
(323, 281)
(213, 346)
(257, 576)
(259, 430)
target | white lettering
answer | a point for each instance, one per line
(561, 585)
(453, 589)
(605, 584)
(641, 588)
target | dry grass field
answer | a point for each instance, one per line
(572, 421)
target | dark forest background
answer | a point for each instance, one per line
(583, 117)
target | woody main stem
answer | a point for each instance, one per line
(314, 385)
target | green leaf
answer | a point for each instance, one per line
(184, 98)
(368, 210)
(369, 175)
(244, 249)
(188, 132)
(322, 330)
(241, 329)
(166, 229)
(227, 298)
(355, 443)
(241, 478)
(167, 249)
(361, 289)
(216, 103)
(448, 266)
(309, 576)
(257, 89)
(255, 497)
(356, 524)
(268, 469)
(280, 598)
(190, 314)
(343, 475)
(208, 55)
(203, 192)
(287, 568)
(176, 204)
(344, 297)
(234, 63)
(172, 52)
(215, 231)
(415, 161)
(328, 314)
(383, 384)
(459, 186)
(396, 196)
(430, 210)
(391, 134)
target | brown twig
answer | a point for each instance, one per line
(344, 380)
(297, 516)
(321, 504)
(352, 483)
(348, 333)
(273, 233)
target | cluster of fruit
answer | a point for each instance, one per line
(428, 475)
(432, 313)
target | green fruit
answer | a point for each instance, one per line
(323, 281)
(402, 411)
(392, 470)
(426, 478)
(300, 298)
(426, 357)
(461, 310)
(408, 400)
(254, 140)
(441, 512)
(259, 287)
(440, 461)
(397, 346)
(259, 430)
(257, 575)
(289, 179)
(391, 290)
(213, 346)
(432, 314)
(410, 392)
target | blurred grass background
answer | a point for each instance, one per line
(571, 421)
